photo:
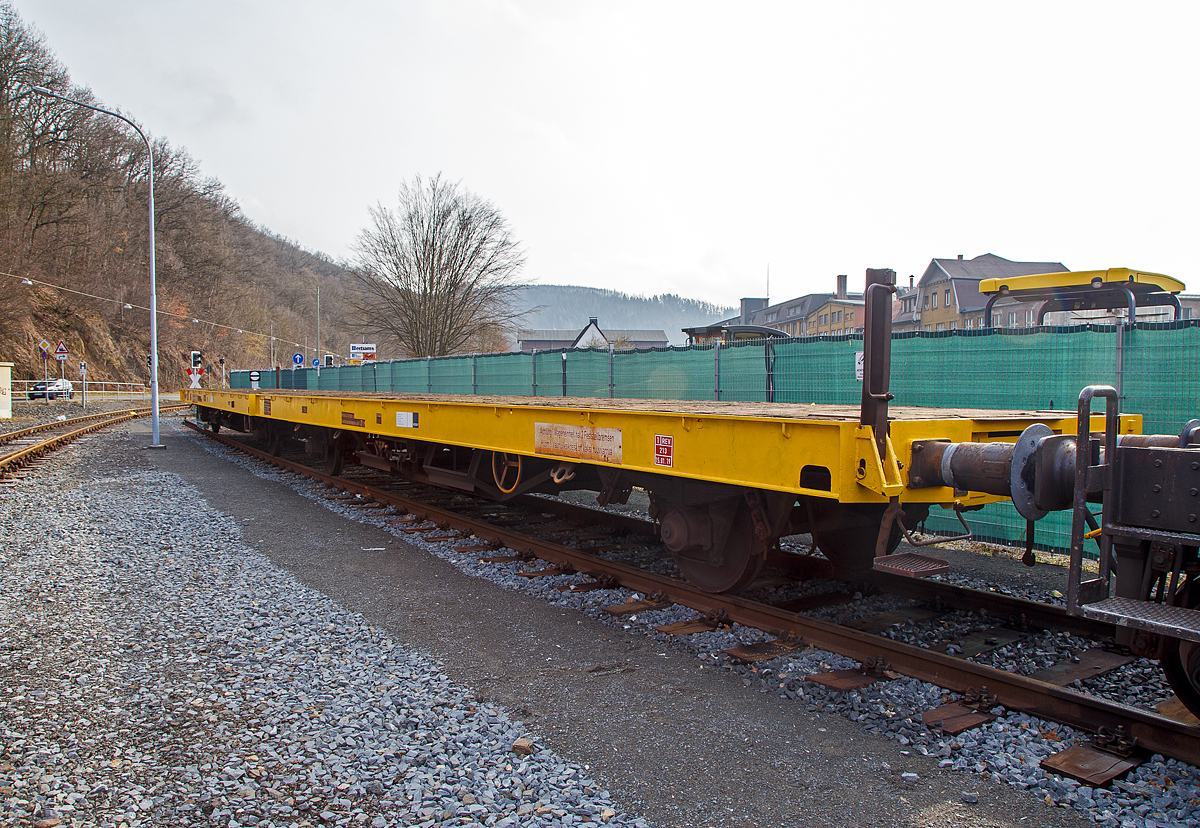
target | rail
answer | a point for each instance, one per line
(21, 433)
(88, 424)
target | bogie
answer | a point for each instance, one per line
(1181, 659)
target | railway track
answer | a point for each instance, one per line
(439, 515)
(21, 449)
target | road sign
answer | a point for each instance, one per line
(362, 350)
(195, 374)
(316, 362)
(44, 345)
(254, 378)
(82, 370)
(297, 359)
(61, 353)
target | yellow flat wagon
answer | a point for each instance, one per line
(726, 480)
(713, 469)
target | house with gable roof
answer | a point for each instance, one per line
(947, 295)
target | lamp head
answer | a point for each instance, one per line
(41, 90)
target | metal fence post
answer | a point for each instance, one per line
(1120, 363)
(717, 371)
(564, 364)
(474, 375)
(533, 371)
(612, 388)
(769, 359)
(429, 374)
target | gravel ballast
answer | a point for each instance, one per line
(307, 676)
(156, 671)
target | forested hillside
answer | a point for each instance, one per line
(74, 215)
(569, 307)
(74, 243)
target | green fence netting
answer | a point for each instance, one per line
(818, 370)
(663, 373)
(587, 373)
(504, 374)
(330, 379)
(451, 375)
(1027, 368)
(1024, 368)
(408, 376)
(1159, 377)
(743, 371)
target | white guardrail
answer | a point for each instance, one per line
(95, 390)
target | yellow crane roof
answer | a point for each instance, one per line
(1042, 282)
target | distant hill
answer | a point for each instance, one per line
(568, 307)
(74, 196)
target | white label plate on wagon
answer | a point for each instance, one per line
(578, 442)
(407, 419)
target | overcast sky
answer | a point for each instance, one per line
(683, 147)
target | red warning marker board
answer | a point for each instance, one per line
(664, 450)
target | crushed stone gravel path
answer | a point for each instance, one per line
(154, 670)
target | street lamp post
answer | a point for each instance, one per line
(154, 443)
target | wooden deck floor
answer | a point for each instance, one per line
(793, 411)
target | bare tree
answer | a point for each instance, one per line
(438, 274)
(74, 190)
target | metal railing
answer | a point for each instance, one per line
(95, 390)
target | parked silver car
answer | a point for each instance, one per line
(52, 390)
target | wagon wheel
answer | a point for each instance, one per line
(846, 534)
(1181, 659)
(335, 457)
(274, 442)
(737, 565)
(506, 471)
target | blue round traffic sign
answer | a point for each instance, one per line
(316, 362)
(298, 359)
